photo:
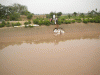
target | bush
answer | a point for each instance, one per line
(59, 22)
(97, 20)
(41, 22)
(85, 21)
(29, 22)
(25, 23)
(73, 21)
(8, 24)
(16, 24)
(36, 21)
(63, 18)
(53, 22)
(78, 20)
(62, 21)
(31, 26)
(91, 20)
(47, 22)
(14, 16)
(67, 21)
(4, 23)
(29, 16)
(1, 25)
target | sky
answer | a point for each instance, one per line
(64, 6)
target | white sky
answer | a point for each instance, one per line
(64, 6)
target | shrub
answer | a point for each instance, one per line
(91, 20)
(29, 22)
(31, 26)
(29, 16)
(35, 21)
(40, 23)
(16, 24)
(59, 22)
(4, 23)
(1, 25)
(47, 22)
(62, 21)
(14, 16)
(8, 24)
(78, 20)
(67, 21)
(73, 21)
(63, 18)
(97, 20)
(85, 21)
(53, 22)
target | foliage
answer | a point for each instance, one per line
(47, 16)
(14, 16)
(78, 20)
(31, 26)
(91, 20)
(69, 16)
(59, 13)
(29, 16)
(97, 20)
(46, 22)
(41, 22)
(73, 21)
(59, 22)
(36, 21)
(25, 23)
(63, 18)
(16, 24)
(67, 21)
(75, 14)
(2, 24)
(82, 15)
(85, 21)
(8, 24)
(29, 21)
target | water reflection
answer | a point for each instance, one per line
(50, 38)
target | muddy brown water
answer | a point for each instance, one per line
(37, 51)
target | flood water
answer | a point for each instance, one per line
(70, 57)
(25, 52)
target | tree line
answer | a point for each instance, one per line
(14, 11)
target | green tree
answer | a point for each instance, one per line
(29, 16)
(75, 14)
(82, 15)
(14, 16)
(59, 13)
(69, 16)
